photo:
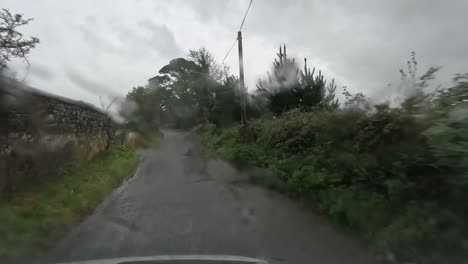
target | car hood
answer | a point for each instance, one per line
(175, 259)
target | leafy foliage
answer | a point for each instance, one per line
(395, 178)
(190, 91)
(196, 89)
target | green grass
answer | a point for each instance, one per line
(35, 219)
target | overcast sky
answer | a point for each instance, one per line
(95, 48)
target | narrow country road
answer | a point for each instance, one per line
(179, 202)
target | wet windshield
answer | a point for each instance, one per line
(241, 130)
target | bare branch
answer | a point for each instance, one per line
(12, 42)
(109, 105)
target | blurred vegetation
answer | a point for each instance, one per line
(36, 218)
(289, 88)
(198, 90)
(186, 92)
(396, 175)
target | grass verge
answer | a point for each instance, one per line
(35, 219)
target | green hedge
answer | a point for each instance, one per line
(383, 175)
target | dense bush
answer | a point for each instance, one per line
(392, 176)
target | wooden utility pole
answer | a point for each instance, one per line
(241, 80)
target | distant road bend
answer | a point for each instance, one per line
(180, 202)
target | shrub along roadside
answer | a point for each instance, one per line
(376, 174)
(34, 219)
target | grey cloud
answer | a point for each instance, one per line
(225, 12)
(137, 40)
(361, 43)
(91, 20)
(147, 23)
(145, 38)
(98, 41)
(40, 71)
(364, 41)
(88, 84)
(160, 38)
(94, 35)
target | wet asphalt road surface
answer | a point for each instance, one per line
(180, 202)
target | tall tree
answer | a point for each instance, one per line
(290, 88)
(283, 86)
(180, 81)
(208, 65)
(314, 90)
(189, 87)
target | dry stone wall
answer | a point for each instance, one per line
(41, 132)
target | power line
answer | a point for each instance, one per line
(229, 50)
(246, 12)
(242, 24)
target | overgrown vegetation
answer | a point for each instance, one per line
(34, 219)
(186, 92)
(395, 175)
